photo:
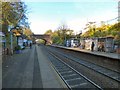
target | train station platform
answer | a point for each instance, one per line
(32, 68)
(50, 78)
(105, 54)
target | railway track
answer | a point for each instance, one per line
(70, 76)
(99, 69)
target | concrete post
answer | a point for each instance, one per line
(11, 40)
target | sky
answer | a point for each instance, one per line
(50, 15)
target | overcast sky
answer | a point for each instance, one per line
(49, 15)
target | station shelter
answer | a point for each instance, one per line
(105, 44)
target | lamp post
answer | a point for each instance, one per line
(11, 39)
(11, 36)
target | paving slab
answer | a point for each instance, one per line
(50, 78)
(18, 70)
(27, 78)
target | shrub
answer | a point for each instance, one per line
(18, 48)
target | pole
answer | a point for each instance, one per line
(11, 39)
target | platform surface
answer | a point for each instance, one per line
(106, 54)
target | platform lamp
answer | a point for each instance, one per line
(11, 28)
